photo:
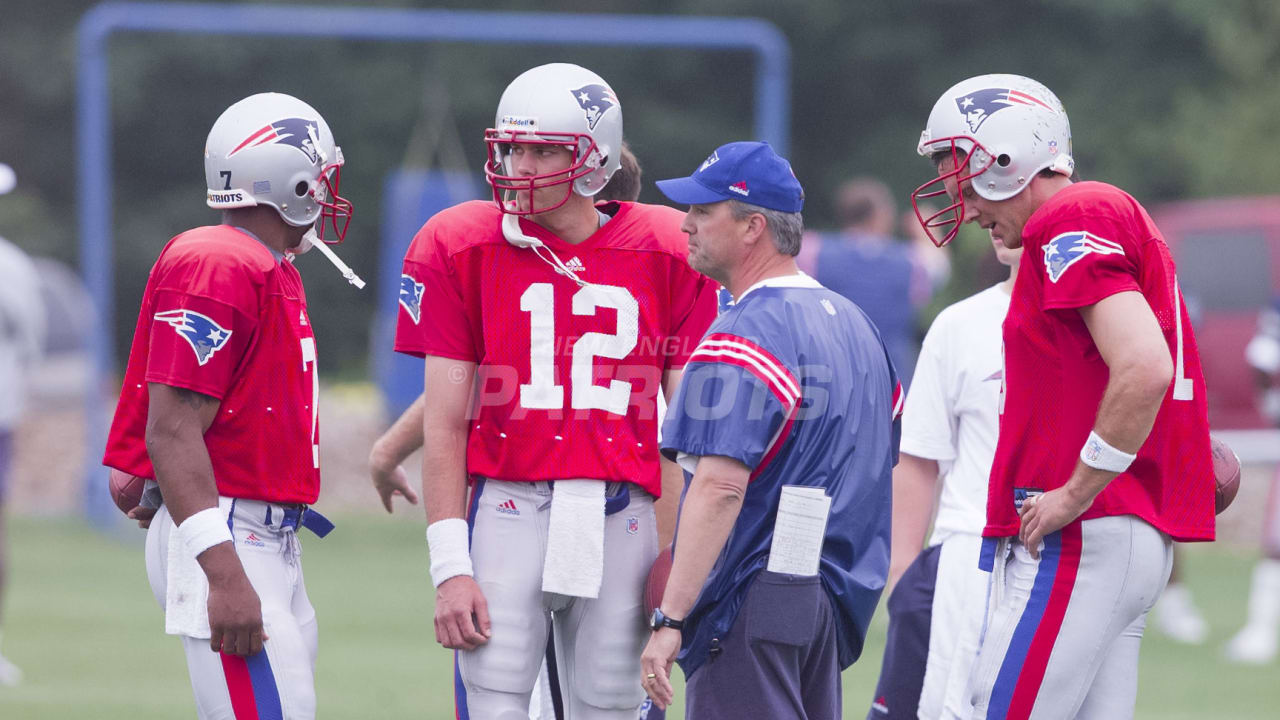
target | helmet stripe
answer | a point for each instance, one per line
(251, 138)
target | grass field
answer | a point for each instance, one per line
(82, 624)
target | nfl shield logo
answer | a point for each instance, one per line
(633, 525)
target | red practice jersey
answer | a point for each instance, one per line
(1090, 241)
(223, 317)
(568, 376)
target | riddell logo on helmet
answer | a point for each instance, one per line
(518, 122)
(225, 197)
(740, 188)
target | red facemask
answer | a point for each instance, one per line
(943, 225)
(337, 210)
(495, 168)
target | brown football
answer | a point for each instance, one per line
(657, 582)
(1226, 471)
(126, 490)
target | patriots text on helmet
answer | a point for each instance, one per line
(225, 198)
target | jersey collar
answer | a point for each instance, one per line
(553, 241)
(278, 256)
(798, 280)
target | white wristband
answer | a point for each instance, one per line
(203, 530)
(1099, 454)
(449, 543)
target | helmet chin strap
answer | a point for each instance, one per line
(309, 240)
(514, 235)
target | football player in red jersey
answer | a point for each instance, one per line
(218, 405)
(404, 438)
(1103, 456)
(548, 324)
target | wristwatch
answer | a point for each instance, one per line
(659, 621)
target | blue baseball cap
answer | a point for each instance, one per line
(748, 171)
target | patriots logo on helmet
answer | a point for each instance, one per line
(411, 296)
(295, 132)
(595, 100)
(1066, 249)
(978, 106)
(205, 336)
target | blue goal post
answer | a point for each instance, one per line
(93, 119)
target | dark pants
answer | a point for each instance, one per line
(906, 649)
(6, 462)
(778, 660)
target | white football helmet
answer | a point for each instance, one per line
(273, 149)
(1000, 130)
(555, 104)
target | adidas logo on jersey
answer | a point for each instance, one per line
(575, 264)
(254, 540)
(509, 507)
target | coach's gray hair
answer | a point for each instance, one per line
(785, 227)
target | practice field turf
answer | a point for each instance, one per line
(82, 623)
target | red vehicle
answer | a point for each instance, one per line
(1228, 256)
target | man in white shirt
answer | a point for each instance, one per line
(21, 337)
(949, 427)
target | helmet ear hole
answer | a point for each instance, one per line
(1003, 160)
(300, 189)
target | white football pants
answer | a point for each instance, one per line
(597, 641)
(279, 681)
(1063, 632)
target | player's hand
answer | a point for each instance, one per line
(1045, 514)
(462, 614)
(143, 515)
(235, 613)
(655, 666)
(390, 480)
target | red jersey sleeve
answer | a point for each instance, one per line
(204, 308)
(433, 316)
(693, 308)
(1085, 260)
(197, 343)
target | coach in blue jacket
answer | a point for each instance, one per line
(790, 386)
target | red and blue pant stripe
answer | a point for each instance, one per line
(1027, 657)
(252, 687)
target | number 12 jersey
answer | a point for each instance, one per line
(568, 375)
